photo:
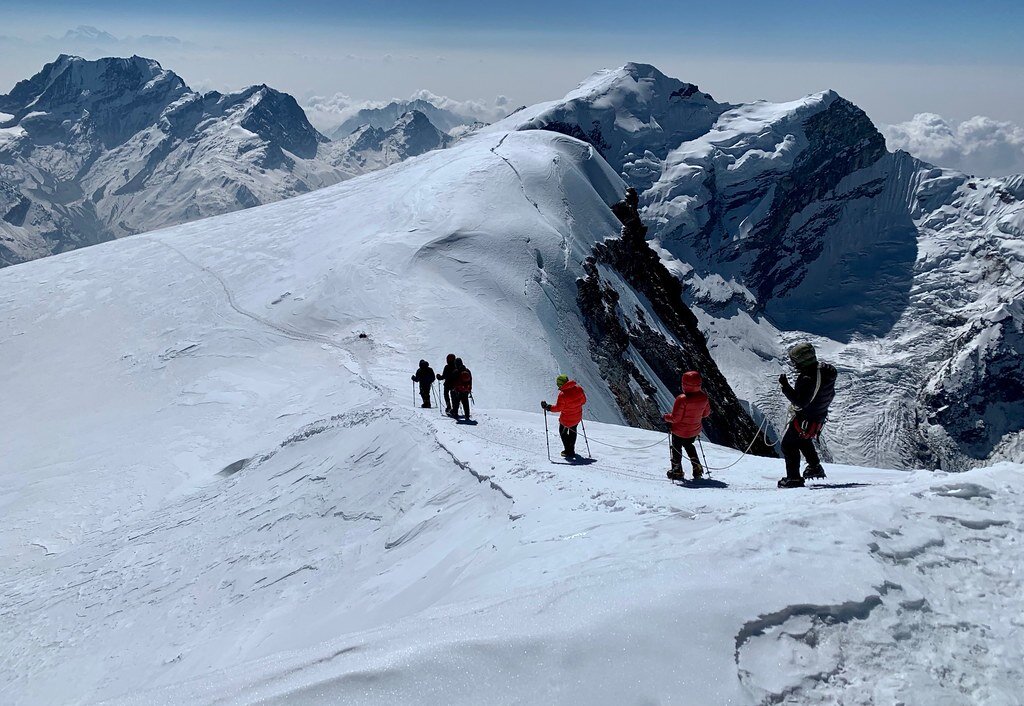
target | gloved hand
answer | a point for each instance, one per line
(414, 378)
(439, 376)
(545, 406)
(783, 380)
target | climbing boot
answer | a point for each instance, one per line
(815, 471)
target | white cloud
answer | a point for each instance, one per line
(482, 110)
(980, 145)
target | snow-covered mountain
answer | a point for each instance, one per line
(95, 150)
(633, 116)
(223, 493)
(411, 135)
(386, 116)
(791, 221)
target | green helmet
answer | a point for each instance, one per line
(802, 355)
(561, 380)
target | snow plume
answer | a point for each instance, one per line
(980, 145)
(327, 112)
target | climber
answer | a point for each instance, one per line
(425, 377)
(686, 419)
(448, 377)
(809, 398)
(569, 405)
(462, 388)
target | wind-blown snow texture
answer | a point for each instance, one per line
(215, 490)
(96, 150)
(791, 221)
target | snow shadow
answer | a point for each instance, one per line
(576, 462)
(705, 483)
(853, 289)
(233, 468)
(836, 486)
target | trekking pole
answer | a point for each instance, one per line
(413, 393)
(547, 435)
(437, 398)
(589, 455)
(701, 446)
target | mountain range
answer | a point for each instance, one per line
(96, 150)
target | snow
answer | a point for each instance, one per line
(10, 134)
(215, 490)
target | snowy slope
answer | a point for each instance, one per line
(95, 150)
(218, 491)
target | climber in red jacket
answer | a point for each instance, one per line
(686, 420)
(569, 404)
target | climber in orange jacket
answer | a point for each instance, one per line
(569, 405)
(686, 420)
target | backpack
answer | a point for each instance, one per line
(464, 383)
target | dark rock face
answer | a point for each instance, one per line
(413, 134)
(842, 141)
(112, 99)
(613, 331)
(279, 120)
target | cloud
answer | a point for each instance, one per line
(328, 112)
(482, 110)
(980, 145)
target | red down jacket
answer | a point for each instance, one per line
(690, 408)
(571, 399)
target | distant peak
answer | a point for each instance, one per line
(637, 69)
(88, 33)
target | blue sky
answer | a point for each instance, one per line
(893, 58)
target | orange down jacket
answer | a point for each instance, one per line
(571, 399)
(690, 408)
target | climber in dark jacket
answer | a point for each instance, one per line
(425, 377)
(447, 376)
(462, 388)
(810, 398)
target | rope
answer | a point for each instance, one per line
(760, 429)
(632, 448)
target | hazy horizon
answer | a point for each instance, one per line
(925, 69)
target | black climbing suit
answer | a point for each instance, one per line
(568, 437)
(425, 377)
(447, 376)
(811, 412)
(679, 443)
